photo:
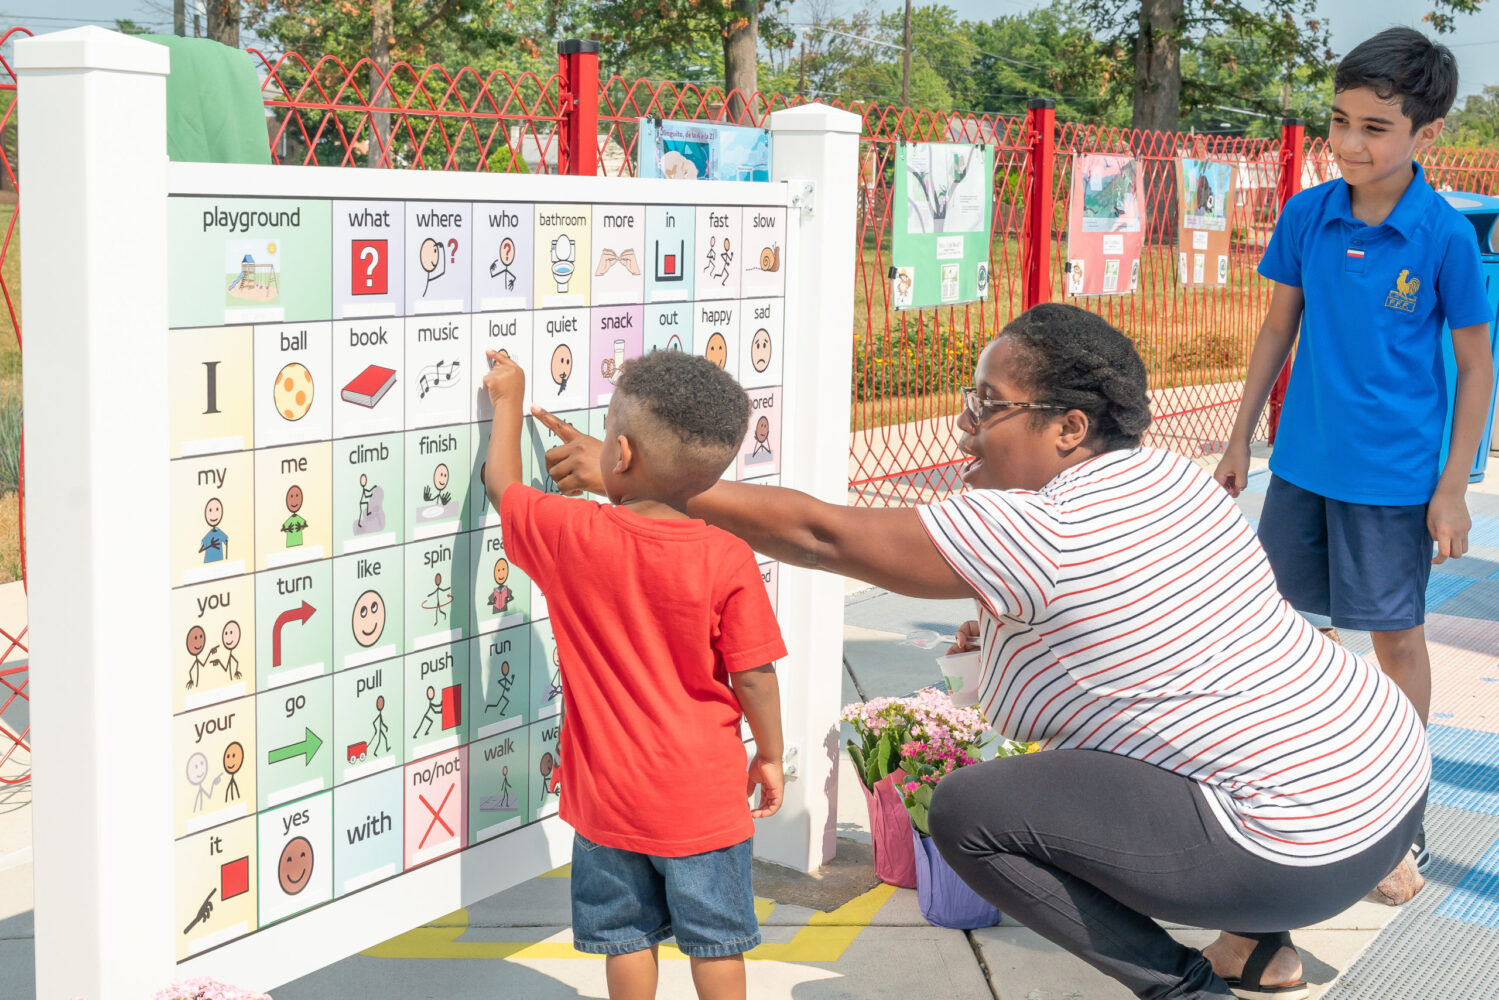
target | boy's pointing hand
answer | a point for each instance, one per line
(573, 464)
(505, 379)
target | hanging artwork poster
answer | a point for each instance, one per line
(1105, 225)
(706, 151)
(1205, 190)
(943, 212)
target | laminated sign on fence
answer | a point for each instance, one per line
(349, 699)
(710, 151)
(1104, 225)
(1205, 190)
(944, 206)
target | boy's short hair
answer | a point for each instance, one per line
(1402, 62)
(685, 408)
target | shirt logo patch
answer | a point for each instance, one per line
(1403, 295)
(1355, 253)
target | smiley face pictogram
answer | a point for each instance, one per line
(369, 618)
(717, 350)
(234, 757)
(294, 869)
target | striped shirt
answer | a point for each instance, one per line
(1128, 607)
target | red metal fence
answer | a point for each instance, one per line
(908, 365)
(15, 716)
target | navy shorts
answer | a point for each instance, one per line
(1362, 565)
(625, 902)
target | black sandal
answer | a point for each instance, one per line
(1248, 987)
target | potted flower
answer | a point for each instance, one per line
(944, 738)
(203, 988)
(883, 725)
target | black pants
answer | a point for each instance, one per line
(1085, 847)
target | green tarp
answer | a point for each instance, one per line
(214, 110)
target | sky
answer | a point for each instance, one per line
(1475, 42)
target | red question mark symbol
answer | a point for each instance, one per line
(452, 251)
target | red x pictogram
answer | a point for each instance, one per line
(436, 816)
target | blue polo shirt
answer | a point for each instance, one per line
(1367, 405)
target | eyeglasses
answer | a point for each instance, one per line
(981, 408)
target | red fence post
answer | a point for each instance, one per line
(1035, 234)
(578, 132)
(1292, 157)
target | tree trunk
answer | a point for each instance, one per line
(1158, 66)
(741, 60)
(382, 31)
(179, 17)
(223, 22)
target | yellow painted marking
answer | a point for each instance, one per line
(566, 871)
(824, 938)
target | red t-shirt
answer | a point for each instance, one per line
(650, 616)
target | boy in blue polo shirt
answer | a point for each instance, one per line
(1370, 266)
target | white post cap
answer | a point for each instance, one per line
(92, 47)
(815, 117)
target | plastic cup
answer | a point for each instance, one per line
(962, 672)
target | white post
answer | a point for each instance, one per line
(816, 148)
(93, 245)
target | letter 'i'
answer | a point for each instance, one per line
(213, 386)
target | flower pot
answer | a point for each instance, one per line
(945, 899)
(889, 824)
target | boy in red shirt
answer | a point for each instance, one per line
(666, 636)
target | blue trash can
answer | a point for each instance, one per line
(1483, 212)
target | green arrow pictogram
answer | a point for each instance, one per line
(308, 746)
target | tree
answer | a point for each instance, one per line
(1155, 33)
(632, 28)
(223, 21)
(1443, 15)
(1239, 79)
(1047, 52)
(1476, 124)
(741, 60)
(488, 35)
(828, 47)
(450, 32)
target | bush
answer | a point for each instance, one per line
(917, 361)
(505, 160)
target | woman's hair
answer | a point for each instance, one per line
(1073, 358)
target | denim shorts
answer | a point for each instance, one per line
(625, 902)
(1364, 566)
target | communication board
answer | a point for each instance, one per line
(362, 683)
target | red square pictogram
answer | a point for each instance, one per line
(234, 878)
(452, 706)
